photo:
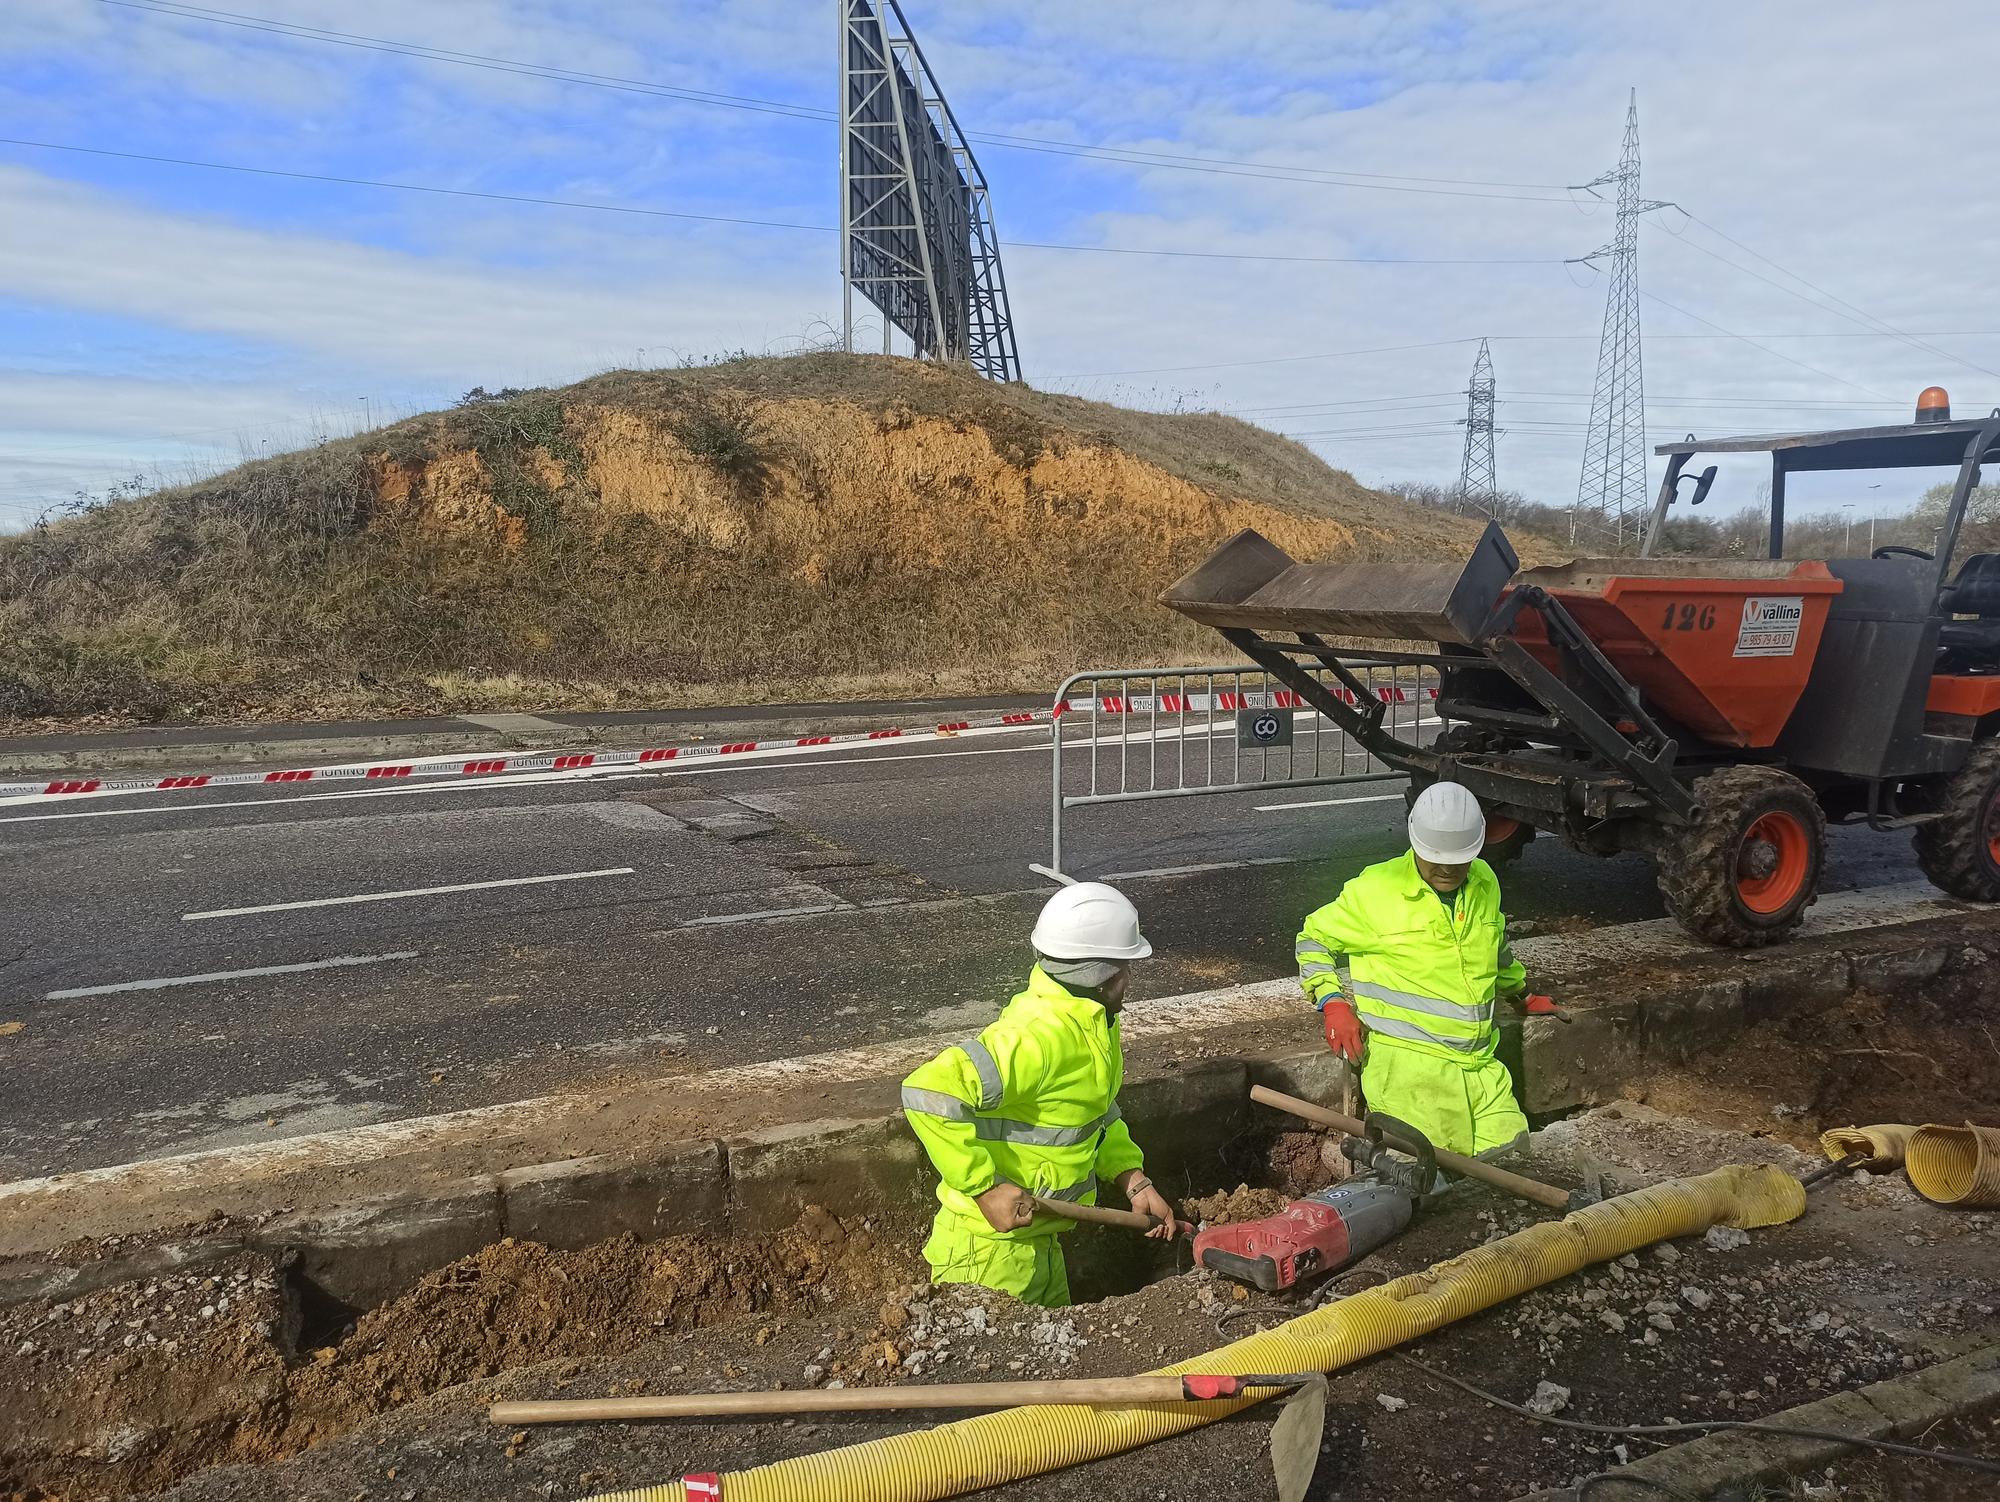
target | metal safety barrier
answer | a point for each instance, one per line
(1135, 735)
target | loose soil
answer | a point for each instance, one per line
(1239, 1204)
(1931, 1054)
(204, 1378)
(133, 1387)
(1692, 1329)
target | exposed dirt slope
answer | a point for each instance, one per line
(826, 524)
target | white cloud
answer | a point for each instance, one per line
(1841, 140)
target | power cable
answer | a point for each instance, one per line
(1754, 1426)
(623, 208)
(1862, 314)
(1774, 354)
(1338, 354)
(1128, 156)
(366, 182)
(1863, 320)
(1720, 333)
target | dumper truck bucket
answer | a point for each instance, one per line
(1460, 619)
(1251, 584)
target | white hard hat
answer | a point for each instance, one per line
(1447, 825)
(1090, 921)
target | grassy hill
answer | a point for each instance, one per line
(824, 525)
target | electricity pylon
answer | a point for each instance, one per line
(1614, 452)
(1476, 483)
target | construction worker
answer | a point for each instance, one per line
(1425, 944)
(1030, 1107)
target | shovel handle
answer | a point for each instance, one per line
(1096, 1215)
(1119, 1392)
(1513, 1183)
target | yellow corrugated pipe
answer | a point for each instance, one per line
(993, 1448)
(1885, 1145)
(1956, 1165)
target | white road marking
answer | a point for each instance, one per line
(1262, 860)
(192, 980)
(461, 886)
(1278, 808)
(772, 913)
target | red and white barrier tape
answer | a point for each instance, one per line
(488, 766)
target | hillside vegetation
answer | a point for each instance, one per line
(825, 525)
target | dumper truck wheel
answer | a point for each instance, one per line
(1505, 838)
(1960, 849)
(1746, 869)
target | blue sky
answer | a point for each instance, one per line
(162, 320)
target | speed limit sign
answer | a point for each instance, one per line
(1262, 727)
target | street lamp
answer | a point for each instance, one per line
(1847, 540)
(366, 423)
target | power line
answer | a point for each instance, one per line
(1775, 354)
(1860, 315)
(1127, 156)
(365, 182)
(1230, 255)
(1339, 354)
(1720, 333)
(825, 229)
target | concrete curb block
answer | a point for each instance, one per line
(366, 1251)
(367, 1248)
(1733, 1461)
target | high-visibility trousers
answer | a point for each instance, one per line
(1461, 1110)
(964, 1250)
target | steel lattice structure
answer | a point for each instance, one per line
(1613, 485)
(916, 219)
(1477, 483)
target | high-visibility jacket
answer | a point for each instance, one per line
(1033, 1100)
(1423, 974)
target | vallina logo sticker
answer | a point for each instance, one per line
(1770, 626)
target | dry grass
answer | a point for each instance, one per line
(822, 526)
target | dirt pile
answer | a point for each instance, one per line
(1233, 1206)
(827, 524)
(133, 1387)
(1930, 1053)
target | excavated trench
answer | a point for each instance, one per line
(130, 1388)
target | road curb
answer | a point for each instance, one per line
(363, 1251)
(1733, 1462)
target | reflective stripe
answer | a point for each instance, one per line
(1074, 1193)
(935, 1103)
(1431, 1006)
(990, 1087)
(999, 1128)
(1305, 947)
(1396, 1027)
(1318, 969)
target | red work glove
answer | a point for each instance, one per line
(1343, 1029)
(1543, 1006)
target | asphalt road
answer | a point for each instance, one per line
(373, 952)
